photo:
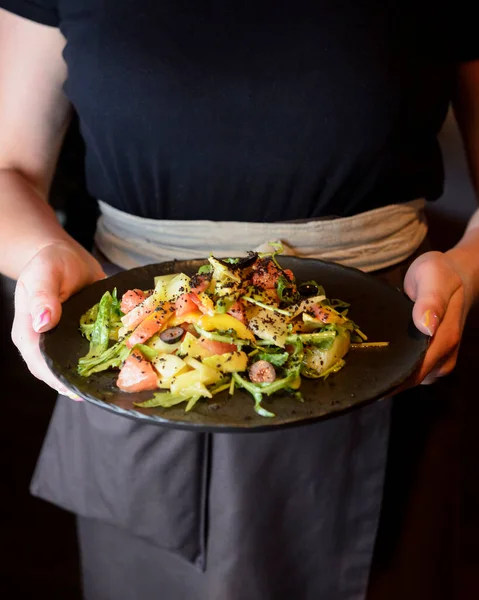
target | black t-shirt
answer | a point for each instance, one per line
(260, 110)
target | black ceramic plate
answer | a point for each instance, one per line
(382, 312)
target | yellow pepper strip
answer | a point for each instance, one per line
(224, 322)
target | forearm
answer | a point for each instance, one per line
(466, 107)
(27, 223)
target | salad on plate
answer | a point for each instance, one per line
(236, 323)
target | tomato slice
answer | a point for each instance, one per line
(131, 299)
(216, 347)
(139, 313)
(323, 314)
(202, 282)
(137, 374)
(185, 304)
(151, 325)
(200, 304)
(238, 311)
(265, 275)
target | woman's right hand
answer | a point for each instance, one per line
(54, 273)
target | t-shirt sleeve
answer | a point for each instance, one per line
(41, 11)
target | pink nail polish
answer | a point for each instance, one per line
(430, 322)
(42, 319)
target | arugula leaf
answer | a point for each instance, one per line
(256, 392)
(286, 290)
(295, 360)
(277, 359)
(292, 368)
(339, 304)
(277, 249)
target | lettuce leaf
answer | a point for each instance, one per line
(111, 358)
(100, 333)
(168, 399)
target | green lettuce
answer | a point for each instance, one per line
(111, 358)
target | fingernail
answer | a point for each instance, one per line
(430, 322)
(42, 319)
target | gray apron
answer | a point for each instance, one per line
(172, 515)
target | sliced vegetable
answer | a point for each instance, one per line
(137, 374)
(219, 322)
(187, 381)
(168, 366)
(148, 352)
(269, 326)
(191, 346)
(161, 347)
(228, 362)
(200, 282)
(216, 347)
(131, 299)
(221, 272)
(266, 274)
(317, 361)
(140, 312)
(237, 310)
(185, 304)
(151, 324)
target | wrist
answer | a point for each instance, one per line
(60, 241)
(465, 263)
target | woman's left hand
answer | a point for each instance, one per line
(442, 300)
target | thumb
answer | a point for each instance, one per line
(430, 288)
(42, 282)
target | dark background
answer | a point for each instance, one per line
(427, 545)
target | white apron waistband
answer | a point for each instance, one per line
(368, 241)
